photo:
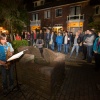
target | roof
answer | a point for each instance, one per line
(94, 2)
(53, 3)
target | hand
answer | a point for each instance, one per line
(10, 54)
(84, 43)
(95, 51)
(3, 63)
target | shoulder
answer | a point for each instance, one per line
(8, 43)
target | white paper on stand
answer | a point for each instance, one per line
(18, 55)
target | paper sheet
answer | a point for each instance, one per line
(18, 55)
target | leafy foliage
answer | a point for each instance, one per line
(95, 25)
(18, 43)
(13, 15)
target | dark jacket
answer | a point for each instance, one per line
(79, 40)
(47, 37)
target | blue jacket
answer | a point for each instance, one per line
(59, 39)
(3, 50)
(96, 47)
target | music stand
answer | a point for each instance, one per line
(15, 58)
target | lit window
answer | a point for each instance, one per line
(47, 14)
(35, 17)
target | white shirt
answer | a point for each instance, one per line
(66, 40)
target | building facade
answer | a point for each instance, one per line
(65, 15)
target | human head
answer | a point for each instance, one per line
(99, 34)
(52, 32)
(66, 33)
(3, 38)
(47, 30)
(77, 34)
(40, 31)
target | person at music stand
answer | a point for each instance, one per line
(4, 45)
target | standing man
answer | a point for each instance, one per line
(47, 38)
(5, 70)
(89, 42)
(96, 49)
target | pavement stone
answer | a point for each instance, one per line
(79, 84)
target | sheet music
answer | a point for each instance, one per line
(18, 55)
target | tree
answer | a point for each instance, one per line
(95, 25)
(13, 15)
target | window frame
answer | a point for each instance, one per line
(56, 12)
(98, 10)
(36, 18)
(75, 9)
(46, 12)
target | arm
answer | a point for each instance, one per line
(90, 39)
(95, 46)
(2, 62)
(11, 50)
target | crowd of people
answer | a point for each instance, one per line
(64, 41)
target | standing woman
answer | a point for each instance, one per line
(77, 41)
(52, 40)
(66, 43)
(17, 37)
(59, 41)
(96, 49)
(28, 38)
(39, 44)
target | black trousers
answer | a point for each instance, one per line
(84, 52)
(41, 50)
(97, 60)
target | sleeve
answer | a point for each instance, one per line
(11, 48)
(95, 45)
(56, 39)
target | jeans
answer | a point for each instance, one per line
(52, 46)
(47, 44)
(59, 47)
(6, 72)
(77, 50)
(89, 53)
(84, 51)
(66, 47)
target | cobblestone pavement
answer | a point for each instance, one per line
(80, 84)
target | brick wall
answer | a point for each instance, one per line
(86, 9)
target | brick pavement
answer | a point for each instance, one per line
(79, 84)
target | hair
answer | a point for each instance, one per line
(98, 31)
(2, 36)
